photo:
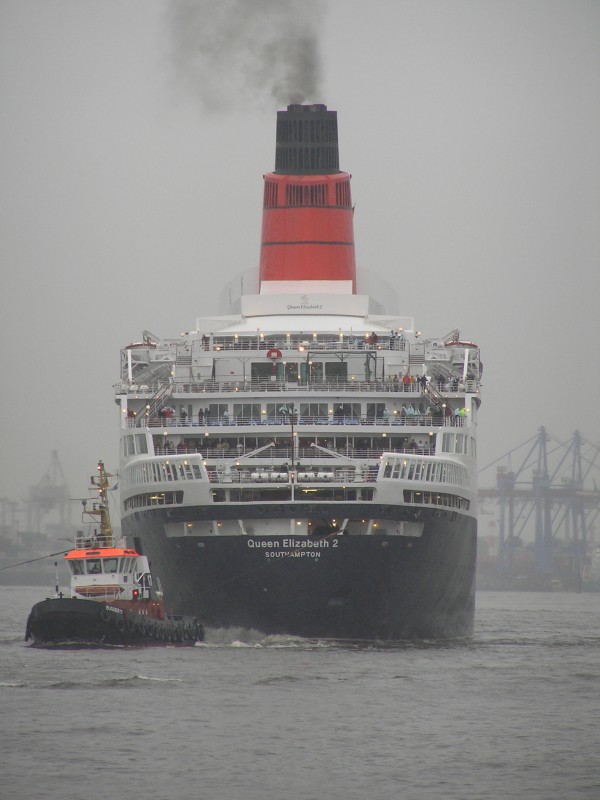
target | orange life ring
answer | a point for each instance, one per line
(274, 353)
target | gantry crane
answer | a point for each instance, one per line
(554, 499)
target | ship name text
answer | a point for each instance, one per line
(292, 548)
(305, 307)
(271, 544)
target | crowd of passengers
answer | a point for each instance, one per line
(357, 447)
(394, 383)
(420, 411)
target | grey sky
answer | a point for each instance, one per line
(471, 129)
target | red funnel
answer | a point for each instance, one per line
(307, 231)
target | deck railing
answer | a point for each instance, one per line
(301, 454)
(262, 476)
(394, 421)
(302, 343)
(386, 385)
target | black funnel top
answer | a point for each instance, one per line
(307, 141)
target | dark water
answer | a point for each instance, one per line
(515, 713)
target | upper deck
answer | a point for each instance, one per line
(384, 361)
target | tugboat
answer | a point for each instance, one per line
(114, 600)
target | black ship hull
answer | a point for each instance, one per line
(70, 621)
(360, 587)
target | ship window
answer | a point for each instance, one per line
(141, 443)
(291, 371)
(436, 499)
(130, 446)
(185, 472)
(336, 370)
(280, 413)
(76, 567)
(313, 412)
(347, 412)
(216, 411)
(261, 371)
(110, 564)
(247, 412)
(168, 470)
(94, 566)
(272, 411)
(315, 370)
(375, 410)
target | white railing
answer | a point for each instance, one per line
(263, 475)
(398, 421)
(387, 385)
(290, 345)
(283, 454)
(394, 421)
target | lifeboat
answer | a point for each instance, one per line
(460, 343)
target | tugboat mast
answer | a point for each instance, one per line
(97, 510)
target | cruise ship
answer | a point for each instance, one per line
(304, 463)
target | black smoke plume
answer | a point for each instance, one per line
(239, 53)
